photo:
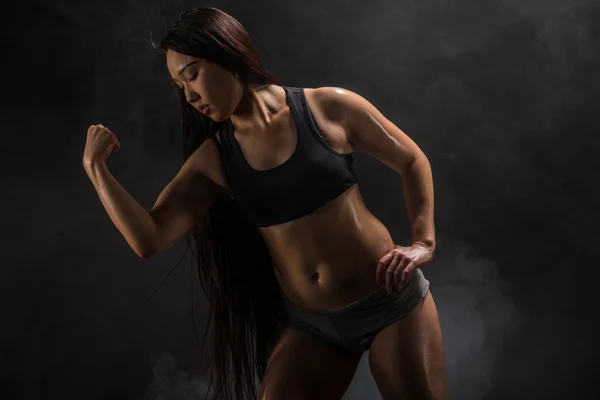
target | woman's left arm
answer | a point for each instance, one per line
(371, 132)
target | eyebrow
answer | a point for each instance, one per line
(184, 67)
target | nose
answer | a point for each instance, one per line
(189, 96)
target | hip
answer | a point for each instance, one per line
(355, 324)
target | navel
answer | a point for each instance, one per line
(315, 277)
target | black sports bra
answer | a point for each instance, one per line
(313, 175)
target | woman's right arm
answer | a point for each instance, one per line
(179, 207)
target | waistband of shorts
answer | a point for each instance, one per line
(376, 293)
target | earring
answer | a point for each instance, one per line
(236, 75)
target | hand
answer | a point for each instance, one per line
(100, 144)
(395, 267)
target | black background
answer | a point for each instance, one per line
(503, 96)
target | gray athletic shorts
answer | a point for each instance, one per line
(355, 325)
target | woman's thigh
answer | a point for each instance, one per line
(407, 357)
(304, 366)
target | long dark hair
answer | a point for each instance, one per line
(234, 264)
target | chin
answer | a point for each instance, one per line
(215, 116)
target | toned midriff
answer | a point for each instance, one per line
(328, 258)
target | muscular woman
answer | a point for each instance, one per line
(301, 277)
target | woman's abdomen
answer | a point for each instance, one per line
(328, 258)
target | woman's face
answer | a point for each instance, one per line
(205, 83)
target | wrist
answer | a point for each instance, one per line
(430, 244)
(92, 166)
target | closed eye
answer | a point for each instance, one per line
(191, 79)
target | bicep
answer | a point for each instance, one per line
(183, 202)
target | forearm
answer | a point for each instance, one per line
(131, 219)
(417, 184)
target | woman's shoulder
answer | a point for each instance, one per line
(329, 119)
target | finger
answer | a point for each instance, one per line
(408, 270)
(379, 272)
(398, 272)
(389, 274)
(381, 266)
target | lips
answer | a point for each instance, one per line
(204, 109)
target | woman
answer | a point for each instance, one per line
(300, 276)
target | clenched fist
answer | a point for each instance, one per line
(100, 144)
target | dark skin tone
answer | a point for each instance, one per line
(333, 256)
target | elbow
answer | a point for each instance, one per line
(143, 256)
(420, 161)
(414, 164)
(420, 158)
(145, 253)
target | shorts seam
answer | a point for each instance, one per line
(415, 290)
